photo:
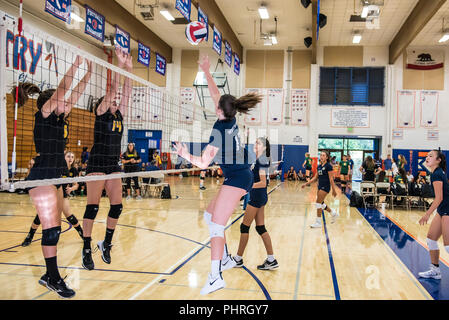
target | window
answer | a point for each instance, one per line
(352, 86)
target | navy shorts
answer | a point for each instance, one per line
(242, 179)
(443, 214)
(327, 189)
(258, 197)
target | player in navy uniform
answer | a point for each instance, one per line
(69, 171)
(48, 134)
(103, 159)
(325, 177)
(256, 207)
(224, 146)
(436, 163)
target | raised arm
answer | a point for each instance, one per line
(127, 87)
(57, 101)
(80, 88)
(213, 89)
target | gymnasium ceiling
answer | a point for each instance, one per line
(294, 22)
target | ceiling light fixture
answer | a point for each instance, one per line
(263, 12)
(357, 38)
(167, 15)
(444, 38)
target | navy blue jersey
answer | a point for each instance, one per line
(440, 175)
(323, 175)
(262, 163)
(231, 156)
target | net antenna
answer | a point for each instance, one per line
(200, 84)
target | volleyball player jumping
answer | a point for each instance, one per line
(103, 159)
(224, 145)
(48, 134)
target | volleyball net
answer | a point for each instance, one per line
(154, 118)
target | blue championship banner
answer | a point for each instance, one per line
(228, 53)
(202, 17)
(59, 9)
(217, 41)
(236, 64)
(184, 6)
(160, 64)
(144, 55)
(122, 39)
(95, 24)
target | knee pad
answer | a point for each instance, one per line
(261, 229)
(50, 237)
(207, 217)
(216, 230)
(36, 220)
(115, 211)
(244, 228)
(91, 211)
(432, 244)
(318, 206)
(73, 220)
(447, 248)
(323, 206)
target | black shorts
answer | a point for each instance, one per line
(41, 172)
(258, 197)
(327, 189)
(309, 168)
(242, 179)
(102, 165)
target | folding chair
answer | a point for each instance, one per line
(382, 190)
(368, 189)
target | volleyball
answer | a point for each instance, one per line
(196, 32)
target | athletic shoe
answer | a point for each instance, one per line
(128, 198)
(238, 263)
(228, 263)
(268, 265)
(44, 280)
(213, 284)
(88, 263)
(334, 215)
(317, 224)
(138, 198)
(105, 251)
(203, 188)
(60, 288)
(27, 241)
(433, 273)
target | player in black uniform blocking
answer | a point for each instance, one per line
(436, 162)
(224, 145)
(103, 159)
(69, 171)
(256, 207)
(325, 177)
(48, 135)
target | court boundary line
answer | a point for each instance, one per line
(301, 249)
(331, 261)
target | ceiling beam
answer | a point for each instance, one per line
(416, 21)
(216, 17)
(314, 26)
(115, 14)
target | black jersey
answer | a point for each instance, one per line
(49, 143)
(108, 131)
(131, 167)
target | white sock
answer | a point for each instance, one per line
(270, 258)
(447, 248)
(318, 220)
(215, 267)
(237, 257)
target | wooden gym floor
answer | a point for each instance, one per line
(161, 250)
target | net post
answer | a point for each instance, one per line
(3, 111)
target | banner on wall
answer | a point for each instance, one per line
(254, 117)
(228, 53)
(160, 64)
(59, 8)
(122, 39)
(95, 24)
(299, 101)
(187, 112)
(433, 135)
(202, 17)
(425, 59)
(236, 64)
(350, 117)
(429, 108)
(185, 7)
(217, 41)
(275, 106)
(144, 55)
(398, 134)
(405, 109)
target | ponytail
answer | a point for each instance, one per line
(442, 157)
(230, 105)
(26, 89)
